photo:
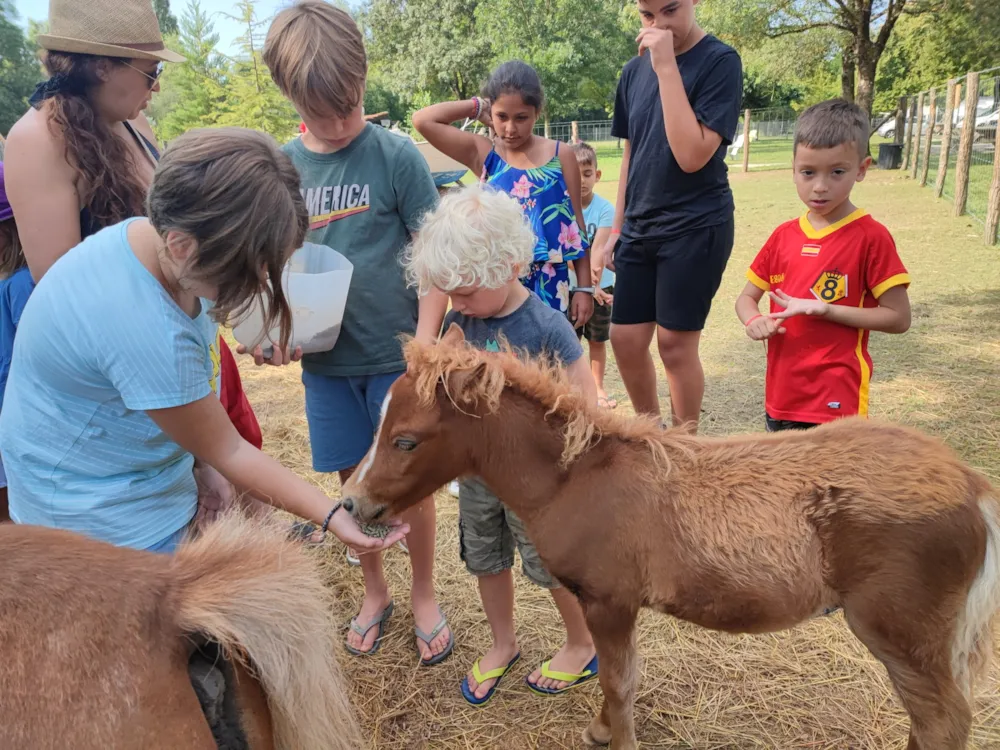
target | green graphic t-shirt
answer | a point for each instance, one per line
(365, 201)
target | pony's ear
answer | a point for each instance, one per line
(463, 384)
(454, 335)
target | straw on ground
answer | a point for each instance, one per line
(813, 688)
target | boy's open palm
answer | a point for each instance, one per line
(796, 306)
(660, 44)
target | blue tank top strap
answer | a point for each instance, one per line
(558, 143)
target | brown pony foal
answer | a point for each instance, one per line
(746, 534)
(98, 644)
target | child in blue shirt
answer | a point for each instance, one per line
(15, 288)
(474, 247)
(110, 404)
(599, 216)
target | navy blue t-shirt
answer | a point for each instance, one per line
(662, 201)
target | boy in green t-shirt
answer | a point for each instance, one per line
(367, 190)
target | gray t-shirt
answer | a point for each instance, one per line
(365, 201)
(534, 327)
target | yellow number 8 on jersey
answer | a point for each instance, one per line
(830, 287)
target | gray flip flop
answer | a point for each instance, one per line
(380, 620)
(428, 637)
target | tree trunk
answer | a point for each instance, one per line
(867, 64)
(848, 71)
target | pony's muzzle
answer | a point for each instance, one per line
(362, 511)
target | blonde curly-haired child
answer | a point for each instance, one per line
(474, 247)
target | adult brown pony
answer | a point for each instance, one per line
(746, 534)
(98, 644)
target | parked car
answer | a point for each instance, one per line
(986, 126)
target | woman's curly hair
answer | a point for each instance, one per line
(106, 169)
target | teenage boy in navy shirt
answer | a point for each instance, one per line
(677, 109)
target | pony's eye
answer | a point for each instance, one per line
(404, 444)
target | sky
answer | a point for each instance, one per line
(227, 30)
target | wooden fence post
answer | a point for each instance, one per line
(925, 168)
(900, 128)
(965, 143)
(746, 141)
(993, 210)
(574, 128)
(918, 126)
(908, 137)
(951, 105)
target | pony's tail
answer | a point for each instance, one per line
(245, 585)
(973, 642)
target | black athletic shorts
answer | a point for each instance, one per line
(671, 282)
(781, 425)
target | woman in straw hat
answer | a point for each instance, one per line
(82, 157)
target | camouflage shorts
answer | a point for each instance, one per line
(488, 533)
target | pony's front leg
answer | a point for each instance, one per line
(613, 629)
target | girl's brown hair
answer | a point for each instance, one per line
(237, 195)
(105, 167)
(11, 255)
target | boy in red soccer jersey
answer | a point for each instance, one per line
(832, 276)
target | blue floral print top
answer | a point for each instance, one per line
(545, 200)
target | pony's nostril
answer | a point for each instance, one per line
(348, 505)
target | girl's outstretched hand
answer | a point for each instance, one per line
(346, 529)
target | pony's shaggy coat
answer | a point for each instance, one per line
(95, 641)
(749, 533)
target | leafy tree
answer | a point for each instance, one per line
(435, 46)
(252, 100)
(379, 97)
(928, 50)
(764, 91)
(19, 68)
(192, 93)
(864, 27)
(167, 20)
(577, 46)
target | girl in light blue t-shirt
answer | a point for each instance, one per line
(109, 409)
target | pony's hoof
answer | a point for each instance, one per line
(597, 734)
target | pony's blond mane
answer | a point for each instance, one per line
(490, 373)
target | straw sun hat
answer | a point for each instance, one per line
(110, 28)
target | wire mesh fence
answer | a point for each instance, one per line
(984, 140)
(951, 144)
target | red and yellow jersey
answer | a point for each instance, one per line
(819, 370)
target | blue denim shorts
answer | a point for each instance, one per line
(343, 415)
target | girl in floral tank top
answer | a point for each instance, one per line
(543, 178)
